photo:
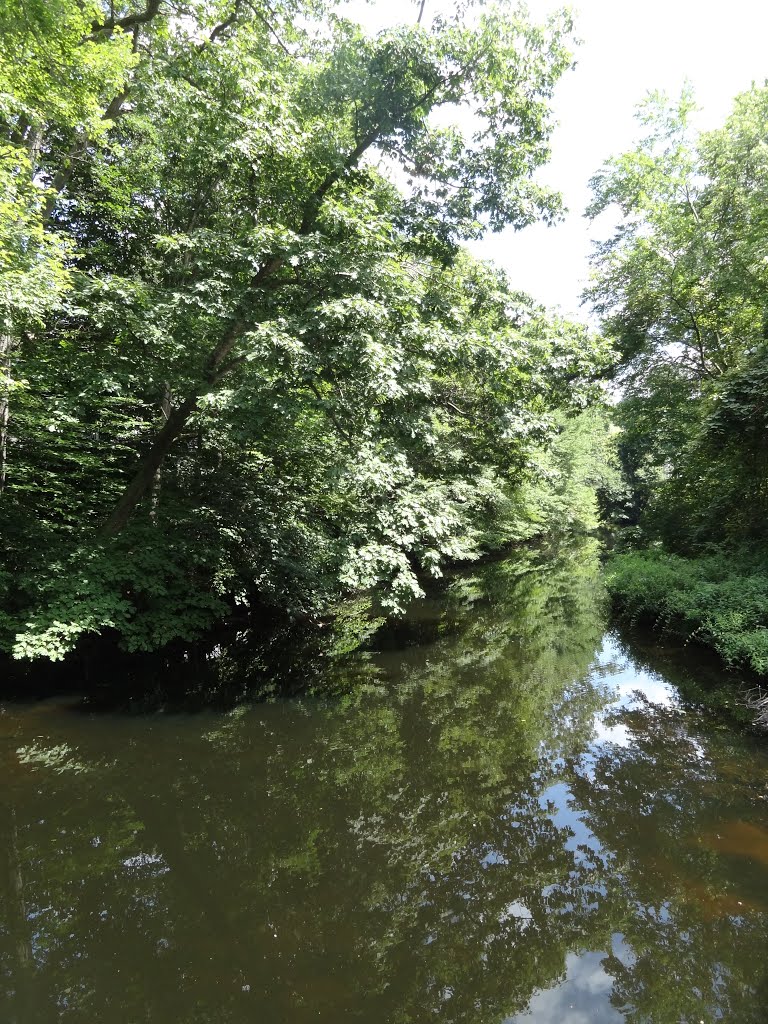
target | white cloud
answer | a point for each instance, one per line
(582, 998)
(628, 49)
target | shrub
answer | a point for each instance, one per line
(719, 599)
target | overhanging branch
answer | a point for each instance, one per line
(129, 22)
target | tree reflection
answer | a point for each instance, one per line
(693, 920)
(429, 841)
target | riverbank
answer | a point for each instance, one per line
(719, 600)
(269, 656)
(267, 653)
(273, 658)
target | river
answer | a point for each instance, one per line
(504, 811)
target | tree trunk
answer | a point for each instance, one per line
(219, 363)
(165, 409)
(144, 477)
(6, 345)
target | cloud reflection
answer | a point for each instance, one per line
(581, 998)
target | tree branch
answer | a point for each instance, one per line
(691, 207)
(62, 177)
(219, 363)
(130, 21)
(315, 201)
(697, 331)
(217, 30)
(270, 28)
(330, 413)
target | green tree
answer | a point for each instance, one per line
(682, 287)
(275, 376)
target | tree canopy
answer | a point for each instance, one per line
(682, 287)
(246, 360)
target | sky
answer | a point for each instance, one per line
(628, 49)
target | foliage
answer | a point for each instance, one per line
(682, 287)
(574, 474)
(257, 368)
(720, 599)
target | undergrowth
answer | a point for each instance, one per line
(720, 599)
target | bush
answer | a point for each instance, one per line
(720, 599)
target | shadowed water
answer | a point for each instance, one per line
(504, 814)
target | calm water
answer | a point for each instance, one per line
(504, 815)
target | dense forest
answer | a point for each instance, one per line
(682, 289)
(248, 367)
(329, 556)
(247, 363)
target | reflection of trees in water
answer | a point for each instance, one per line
(323, 852)
(697, 672)
(694, 922)
(16, 968)
(382, 856)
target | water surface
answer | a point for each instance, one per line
(506, 814)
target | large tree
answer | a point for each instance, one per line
(274, 373)
(682, 286)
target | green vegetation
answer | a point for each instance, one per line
(682, 286)
(248, 367)
(246, 363)
(720, 599)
